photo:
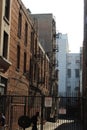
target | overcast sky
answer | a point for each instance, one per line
(68, 15)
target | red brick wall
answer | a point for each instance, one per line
(14, 85)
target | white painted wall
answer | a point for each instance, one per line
(62, 42)
(66, 61)
(73, 62)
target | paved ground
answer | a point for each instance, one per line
(60, 125)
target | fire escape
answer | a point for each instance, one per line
(54, 76)
(37, 68)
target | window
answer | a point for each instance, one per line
(24, 62)
(31, 70)
(26, 33)
(68, 90)
(77, 73)
(35, 68)
(77, 89)
(5, 45)
(7, 8)
(32, 41)
(69, 73)
(69, 63)
(77, 61)
(2, 89)
(69, 59)
(19, 24)
(18, 56)
(36, 46)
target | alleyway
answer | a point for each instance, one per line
(60, 125)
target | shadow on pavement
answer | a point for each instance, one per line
(69, 126)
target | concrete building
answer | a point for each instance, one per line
(68, 66)
(84, 68)
(73, 74)
(62, 43)
(85, 51)
(81, 69)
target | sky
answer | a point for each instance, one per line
(68, 15)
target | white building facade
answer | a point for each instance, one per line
(73, 74)
(68, 68)
(62, 43)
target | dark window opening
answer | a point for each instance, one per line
(24, 62)
(32, 42)
(7, 8)
(36, 46)
(31, 71)
(77, 73)
(26, 33)
(5, 45)
(19, 24)
(35, 74)
(69, 73)
(18, 57)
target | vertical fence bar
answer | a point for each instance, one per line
(42, 106)
(70, 118)
(24, 108)
(11, 112)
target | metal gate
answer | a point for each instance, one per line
(70, 115)
(56, 113)
(13, 107)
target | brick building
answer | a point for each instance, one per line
(18, 47)
(5, 19)
(24, 65)
(46, 28)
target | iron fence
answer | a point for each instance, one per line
(55, 113)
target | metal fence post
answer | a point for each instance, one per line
(11, 112)
(24, 108)
(42, 106)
